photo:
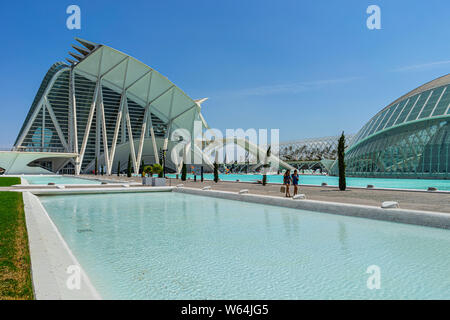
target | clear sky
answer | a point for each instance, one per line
(309, 68)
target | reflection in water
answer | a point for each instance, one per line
(266, 220)
(342, 236)
(216, 212)
(290, 222)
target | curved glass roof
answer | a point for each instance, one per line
(431, 100)
(48, 77)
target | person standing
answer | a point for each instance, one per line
(295, 179)
(287, 181)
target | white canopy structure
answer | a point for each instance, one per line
(106, 105)
(103, 108)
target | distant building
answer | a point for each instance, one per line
(408, 138)
(311, 154)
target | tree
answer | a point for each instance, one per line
(129, 166)
(216, 172)
(341, 162)
(266, 165)
(183, 172)
(96, 166)
(142, 167)
(118, 168)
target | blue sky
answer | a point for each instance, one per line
(309, 68)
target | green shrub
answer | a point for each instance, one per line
(157, 169)
(147, 170)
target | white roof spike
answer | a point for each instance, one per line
(81, 50)
(200, 101)
(88, 44)
(76, 56)
(71, 61)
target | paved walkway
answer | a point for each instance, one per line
(428, 201)
(437, 202)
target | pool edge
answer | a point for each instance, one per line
(51, 256)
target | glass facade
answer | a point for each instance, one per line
(409, 138)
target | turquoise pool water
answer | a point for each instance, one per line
(417, 184)
(176, 246)
(46, 179)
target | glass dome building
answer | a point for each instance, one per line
(408, 138)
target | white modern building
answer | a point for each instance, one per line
(104, 104)
(107, 107)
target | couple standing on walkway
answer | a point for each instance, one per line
(288, 178)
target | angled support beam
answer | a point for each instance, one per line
(104, 133)
(74, 137)
(116, 132)
(141, 141)
(88, 129)
(205, 124)
(162, 94)
(137, 80)
(43, 126)
(29, 123)
(437, 102)
(130, 137)
(152, 135)
(79, 160)
(113, 67)
(423, 107)
(448, 108)
(98, 120)
(412, 108)
(169, 125)
(187, 110)
(123, 137)
(36, 111)
(56, 124)
(149, 118)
